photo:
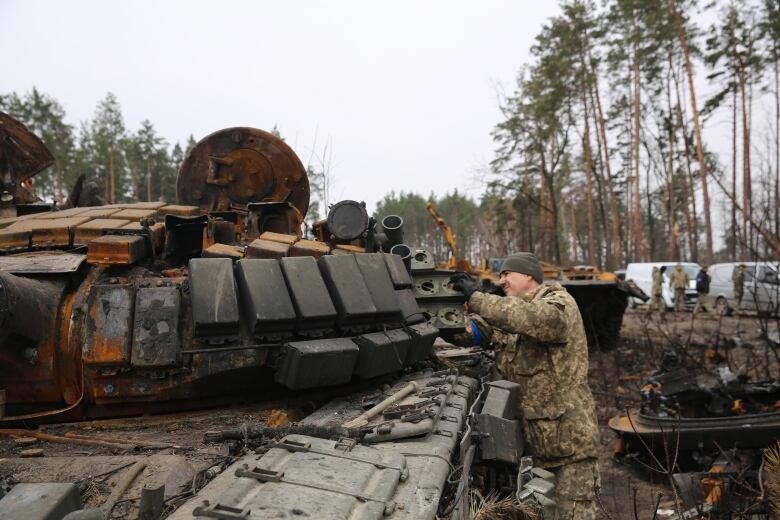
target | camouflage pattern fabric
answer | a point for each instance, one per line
(657, 298)
(739, 283)
(575, 490)
(540, 344)
(679, 300)
(679, 279)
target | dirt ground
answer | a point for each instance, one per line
(617, 376)
(184, 461)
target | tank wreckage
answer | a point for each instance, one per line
(146, 307)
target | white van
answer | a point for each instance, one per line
(642, 275)
(761, 290)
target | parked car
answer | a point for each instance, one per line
(642, 275)
(761, 290)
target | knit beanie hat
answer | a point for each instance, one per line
(525, 263)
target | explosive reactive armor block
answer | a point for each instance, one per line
(109, 324)
(397, 270)
(423, 335)
(267, 304)
(316, 314)
(41, 501)
(214, 299)
(355, 307)
(374, 270)
(498, 420)
(381, 352)
(156, 323)
(409, 309)
(316, 363)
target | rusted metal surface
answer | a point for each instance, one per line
(238, 166)
(117, 249)
(43, 262)
(260, 248)
(109, 324)
(309, 248)
(22, 155)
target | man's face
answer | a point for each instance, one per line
(516, 284)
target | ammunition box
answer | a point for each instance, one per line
(316, 363)
(314, 308)
(355, 307)
(214, 298)
(267, 304)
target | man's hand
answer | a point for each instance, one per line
(464, 283)
(489, 287)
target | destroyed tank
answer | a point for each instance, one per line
(144, 307)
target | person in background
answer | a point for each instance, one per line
(739, 285)
(679, 281)
(657, 295)
(703, 290)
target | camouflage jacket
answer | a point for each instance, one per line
(540, 343)
(739, 281)
(658, 282)
(679, 279)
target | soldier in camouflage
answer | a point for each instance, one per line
(739, 285)
(537, 333)
(657, 302)
(679, 282)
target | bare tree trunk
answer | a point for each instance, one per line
(696, 127)
(616, 258)
(690, 185)
(636, 221)
(674, 246)
(112, 194)
(573, 229)
(60, 190)
(735, 232)
(588, 157)
(777, 140)
(148, 180)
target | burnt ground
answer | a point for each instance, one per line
(617, 376)
(187, 461)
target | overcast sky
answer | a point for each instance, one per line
(404, 91)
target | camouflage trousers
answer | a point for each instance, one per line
(657, 303)
(679, 300)
(575, 490)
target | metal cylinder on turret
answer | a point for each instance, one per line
(28, 307)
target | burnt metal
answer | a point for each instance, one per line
(317, 363)
(347, 220)
(374, 270)
(214, 299)
(266, 303)
(28, 308)
(356, 310)
(22, 155)
(274, 217)
(43, 262)
(381, 352)
(398, 273)
(156, 327)
(238, 166)
(316, 314)
(260, 248)
(222, 231)
(184, 236)
(109, 324)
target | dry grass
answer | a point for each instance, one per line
(772, 477)
(490, 507)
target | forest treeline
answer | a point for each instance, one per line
(602, 156)
(639, 130)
